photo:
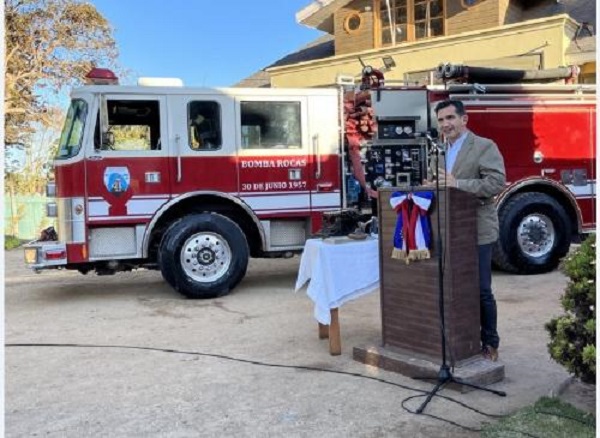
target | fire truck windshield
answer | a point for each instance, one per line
(71, 137)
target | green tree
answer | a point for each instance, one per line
(31, 175)
(50, 45)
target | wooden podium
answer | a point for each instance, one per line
(410, 312)
(410, 293)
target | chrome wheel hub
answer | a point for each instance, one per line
(536, 235)
(205, 257)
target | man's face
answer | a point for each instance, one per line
(451, 124)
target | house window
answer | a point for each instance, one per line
(352, 23)
(411, 20)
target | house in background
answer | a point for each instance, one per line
(412, 37)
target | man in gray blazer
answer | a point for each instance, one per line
(474, 164)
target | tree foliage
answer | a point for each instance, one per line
(50, 45)
(31, 175)
(573, 335)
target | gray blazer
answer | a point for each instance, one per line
(479, 169)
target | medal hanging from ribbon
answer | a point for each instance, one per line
(412, 236)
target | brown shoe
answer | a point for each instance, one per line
(490, 353)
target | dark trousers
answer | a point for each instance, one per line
(487, 302)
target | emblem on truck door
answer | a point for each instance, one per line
(116, 179)
(118, 183)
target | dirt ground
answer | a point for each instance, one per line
(108, 376)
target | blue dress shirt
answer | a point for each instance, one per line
(453, 150)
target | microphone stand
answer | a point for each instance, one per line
(444, 374)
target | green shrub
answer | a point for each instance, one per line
(573, 335)
(11, 242)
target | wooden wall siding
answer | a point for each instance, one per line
(363, 39)
(481, 16)
(510, 12)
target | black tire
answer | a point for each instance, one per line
(535, 234)
(203, 255)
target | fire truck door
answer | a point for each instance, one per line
(324, 150)
(203, 156)
(127, 173)
(274, 167)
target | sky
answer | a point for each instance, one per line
(205, 43)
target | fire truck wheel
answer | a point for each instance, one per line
(534, 234)
(204, 255)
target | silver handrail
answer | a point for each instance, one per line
(317, 152)
(177, 140)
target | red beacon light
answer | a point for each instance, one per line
(101, 76)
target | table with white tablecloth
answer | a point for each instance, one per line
(339, 271)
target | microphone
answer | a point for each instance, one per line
(436, 148)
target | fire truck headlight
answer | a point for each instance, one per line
(31, 256)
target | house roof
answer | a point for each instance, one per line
(322, 47)
(582, 11)
(319, 15)
(583, 44)
(260, 79)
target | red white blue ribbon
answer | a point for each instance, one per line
(412, 236)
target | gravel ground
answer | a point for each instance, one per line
(106, 386)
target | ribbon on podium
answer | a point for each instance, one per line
(412, 236)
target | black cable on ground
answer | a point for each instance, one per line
(404, 401)
(422, 392)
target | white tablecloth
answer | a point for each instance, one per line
(338, 273)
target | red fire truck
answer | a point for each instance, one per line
(195, 181)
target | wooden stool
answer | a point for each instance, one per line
(332, 331)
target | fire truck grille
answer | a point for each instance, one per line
(110, 242)
(288, 233)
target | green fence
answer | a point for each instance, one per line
(25, 216)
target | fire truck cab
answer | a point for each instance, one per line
(195, 181)
(191, 181)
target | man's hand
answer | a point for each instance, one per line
(446, 179)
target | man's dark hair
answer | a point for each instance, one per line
(460, 108)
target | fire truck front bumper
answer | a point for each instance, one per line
(45, 255)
